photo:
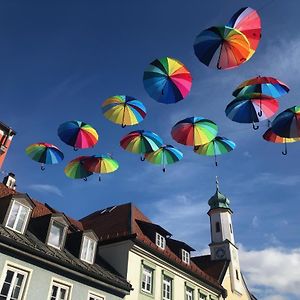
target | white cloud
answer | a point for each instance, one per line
(273, 272)
(255, 222)
(46, 188)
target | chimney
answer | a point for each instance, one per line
(6, 136)
(10, 181)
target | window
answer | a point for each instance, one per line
(95, 297)
(218, 227)
(185, 256)
(189, 294)
(147, 278)
(88, 249)
(230, 228)
(237, 274)
(18, 217)
(167, 288)
(13, 283)
(160, 241)
(56, 235)
(202, 296)
(59, 291)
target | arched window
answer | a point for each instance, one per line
(218, 227)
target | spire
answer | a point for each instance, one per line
(218, 200)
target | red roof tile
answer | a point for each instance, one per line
(122, 221)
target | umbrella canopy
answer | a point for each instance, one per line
(222, 47)
(269, 86)
(247, 21)
(167, 80)
(251, 108)
(272, 137)
(44, 153)
(78, 134)
(141, 142)
(75, 168)
(124, 110)
(194, 131)
(165, 155)
(219, 145)
(101, 164)
(287, 123)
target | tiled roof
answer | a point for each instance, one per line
(28, 242)
(123, 221)
(215, 268)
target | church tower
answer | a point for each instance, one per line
(222, 246)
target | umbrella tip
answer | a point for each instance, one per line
(217, 183)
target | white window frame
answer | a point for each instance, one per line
(189, 293)
(148, 273)
(63, 234)
(18, 217)
(160, 241)
(167, 282)
(17, 269)
(60, 284)
(202, 296)
(95, 296)
(185, 256)
(90, 241)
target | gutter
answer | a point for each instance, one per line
(18, 248)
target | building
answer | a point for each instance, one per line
(46, 255)
(159, 267)
(6, 136)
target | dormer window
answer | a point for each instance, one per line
(88, 250)
(56, 234)
(160, 241)
(185, 256)
(18, 217)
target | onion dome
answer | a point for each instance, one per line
(218, 200)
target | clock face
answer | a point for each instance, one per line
(220, 253)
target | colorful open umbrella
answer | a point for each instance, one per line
(269, 86)
(165, 155)
(270, 136)
(219, 145)
(124, 110)
(222, 47)
(247, 21)
(75, 168)
(194, 131)
(167, 80)
(44, 153)
(141, 142)
(251, 109)
(101, 164)
(78, 134)
(287, 123)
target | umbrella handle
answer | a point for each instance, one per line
(99, 178)
(123, 125)
(255, 127)
(42, 167)
(85, 179)
(75, 149)
(285, 149)
(259, 113)
(284, 152)
(164, 170)
(143, 158)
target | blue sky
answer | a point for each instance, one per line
(61, 59)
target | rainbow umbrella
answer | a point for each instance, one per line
(194, 131)
(75, 168)
(246, 109)
(167, 80)
(164, 155)
(247, 21)
(270, 136)
(78, 134)
(287, 123)
(141, 142)
(222, 47)
(219, 145)
(44, 153)
(101, 164)
(124, 110)
(269, 86)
